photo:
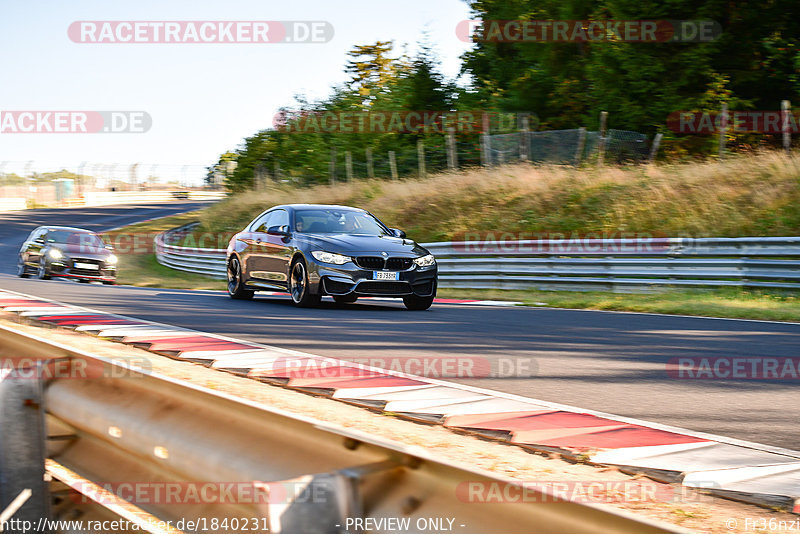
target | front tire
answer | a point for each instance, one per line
(42, 273)
(413, 302)
(236, 288)
(299, 288)
(22, 270)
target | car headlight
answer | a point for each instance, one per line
(425, 261)
(55, 254)
(112, 259)
(330, 257)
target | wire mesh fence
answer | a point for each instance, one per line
(419, 156)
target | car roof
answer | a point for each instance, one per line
(318, 206)
(67, 228)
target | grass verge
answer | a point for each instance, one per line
(747, 195)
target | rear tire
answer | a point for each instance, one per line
(345, 299)
(416, 303)
(42, 273)
(236, 288)
(299, 288)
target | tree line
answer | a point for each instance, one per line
(752, 62)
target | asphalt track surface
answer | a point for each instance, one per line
(605, 361)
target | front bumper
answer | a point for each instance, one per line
(350, 279)
(67, 269)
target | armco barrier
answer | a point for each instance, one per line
(302, 475)
(609, 265)
(102, 198)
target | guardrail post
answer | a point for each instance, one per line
(22, 438)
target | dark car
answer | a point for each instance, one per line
(316, 250)
(67, 252)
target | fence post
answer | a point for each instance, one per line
(348, 165)
(523, 138)
(452, 161)
(393, 164)
(277, 172)
(370, 166)
(80, 179)
(654, 148)
(601, 143)
(332, 166)
(421, 157)
(723, 129)
(786, 109)
(581, 145)
(486, 142)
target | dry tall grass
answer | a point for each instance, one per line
(742, 196)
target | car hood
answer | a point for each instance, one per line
(83, 251)
(352, 244)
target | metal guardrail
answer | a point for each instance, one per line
(635, 264)
(120, 423)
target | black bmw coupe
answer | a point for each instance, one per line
(315, 250)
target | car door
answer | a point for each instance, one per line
(278, 251)
(256, 260)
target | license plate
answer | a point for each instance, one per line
(385, 275)
(80, 265)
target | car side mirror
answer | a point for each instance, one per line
(398, 233)
(278, 230)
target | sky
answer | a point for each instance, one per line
(203, 98)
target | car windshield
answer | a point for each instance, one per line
(84, 239)
(338, 221)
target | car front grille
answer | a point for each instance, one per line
(383, 288)
(376, 263)
(398, 264)
(373, 263)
